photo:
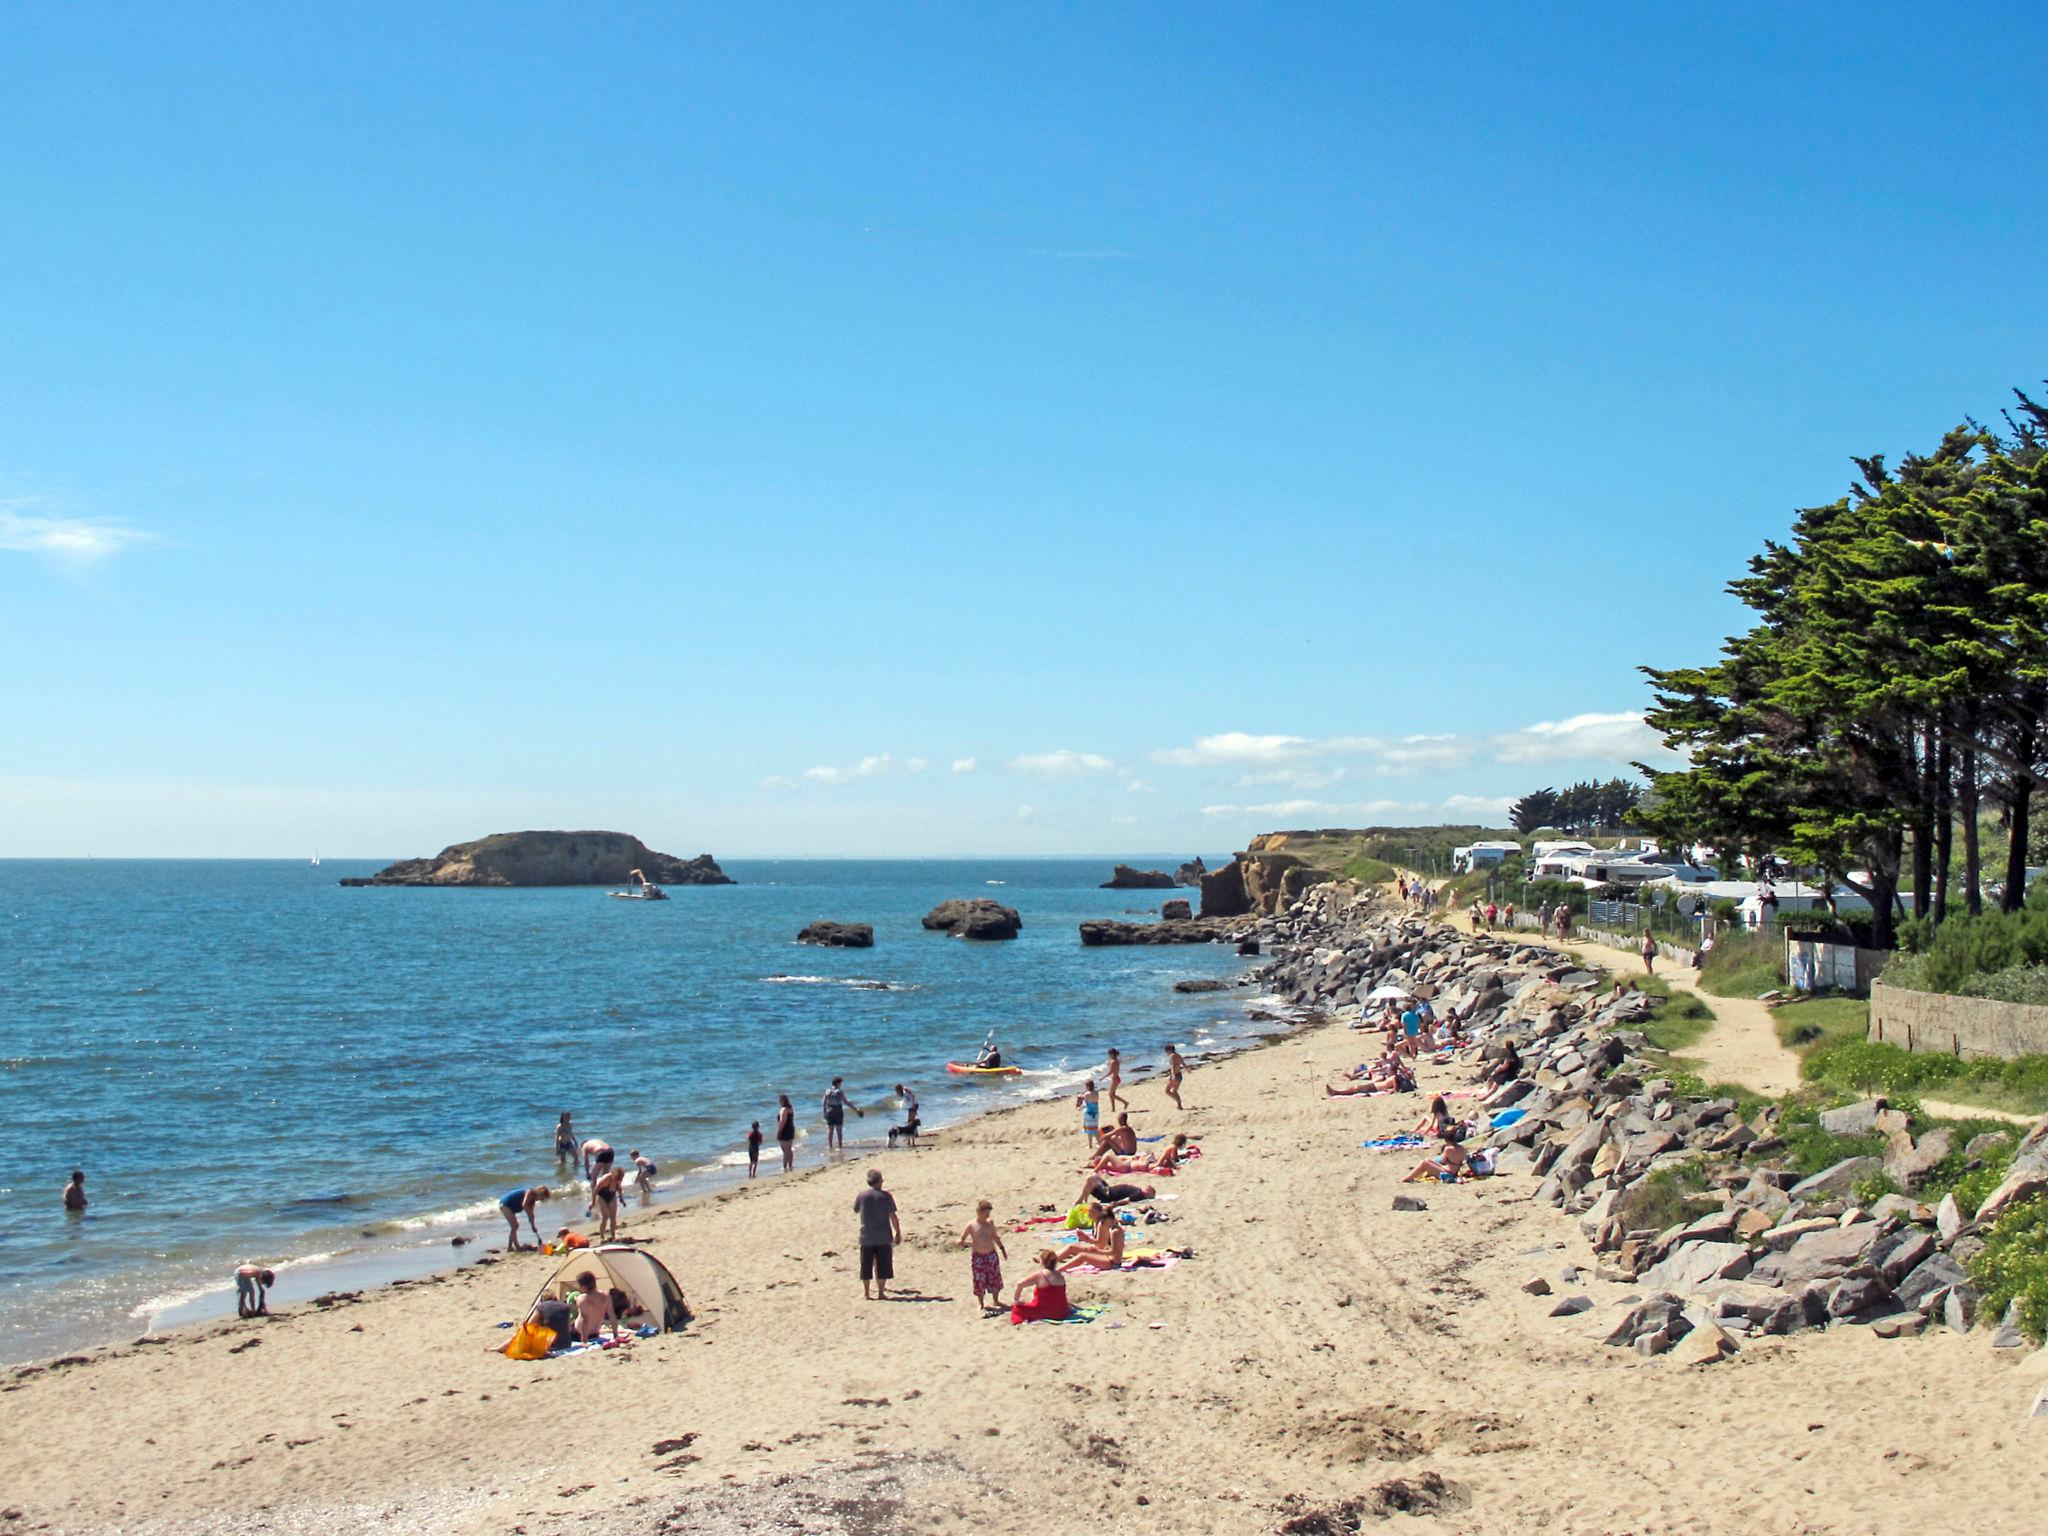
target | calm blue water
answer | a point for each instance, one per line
(251, 1062)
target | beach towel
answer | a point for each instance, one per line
(1507, 1117)
(1394, 1143)
(1082, 1312)
(529, 1341)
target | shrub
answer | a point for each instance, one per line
(1861, 1066)
(1997, 954)
(1659, 1200)
(2014, 1266)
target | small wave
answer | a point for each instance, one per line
(455, 1216)
(858, 983)
(995, 882)
(170, 1301)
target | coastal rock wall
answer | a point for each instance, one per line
(1584, 1111)
(549, 858)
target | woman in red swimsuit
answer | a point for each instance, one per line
(1048, 1287)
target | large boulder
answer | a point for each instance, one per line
(549, 858)
(1827, 1254)
(1125, 878)
(1176, 910)
(839, 935)
(974, 918)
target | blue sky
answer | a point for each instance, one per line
(840, 430)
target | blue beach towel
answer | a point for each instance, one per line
(1507, 1117)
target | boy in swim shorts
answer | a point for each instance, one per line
(985, 1263)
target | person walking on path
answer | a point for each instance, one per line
(1649, 953)
(785, 1130)
(835, 1104)
(880, 1231)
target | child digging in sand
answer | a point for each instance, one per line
(985, 1264)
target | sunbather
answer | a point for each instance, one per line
(1450, 1165)
(1104, 1245)
(1048, 1288)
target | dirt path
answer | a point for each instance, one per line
(1742, 1045)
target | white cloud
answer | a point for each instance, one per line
(1235, 747)
(73, 539)
(1139, 787)
(1293, 778)
(1456, 808)
(1616, 738)
(1063, 764)
(963, 765)
(866, 768)
(915, 764)
(1026, 813)
(1411, 754)
(778, 781)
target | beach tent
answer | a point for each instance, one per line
(652, 1294)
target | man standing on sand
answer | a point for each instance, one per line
(74, 1192)
(880, 1231)
(835, 1104)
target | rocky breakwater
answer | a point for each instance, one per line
(1755, 1247)
(548, 858)
(974, 918)
(1331, 948)
(838, 935)
(1125, 878)
(1103, 932)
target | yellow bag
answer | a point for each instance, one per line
(530, 1341)
(1079, 1218)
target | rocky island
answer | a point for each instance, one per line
(549, 858)
(1125, 878)
(975, 918)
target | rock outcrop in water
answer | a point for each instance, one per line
(1191, 872)
(978, 918)
(549, 858)
(1103, 931)
(1125, 878)
(839, 935)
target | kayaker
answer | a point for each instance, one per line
(990, 1057)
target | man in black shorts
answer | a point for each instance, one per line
(880, 1231)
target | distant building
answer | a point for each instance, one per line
(1481, 856)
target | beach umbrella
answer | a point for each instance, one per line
(1387, 994)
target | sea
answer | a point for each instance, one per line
(251, 1062)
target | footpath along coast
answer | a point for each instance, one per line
(1321, 1361)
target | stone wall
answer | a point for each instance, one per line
(1956, 1026)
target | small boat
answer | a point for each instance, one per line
(314, 862)
(963, 1069)
(646, 890)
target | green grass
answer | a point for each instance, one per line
(2019, 1086)
(1822, 1021)
(2014, 1266)
(1744, 964)
(1367, 871)
(1680, 1020)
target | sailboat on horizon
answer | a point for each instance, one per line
(314, 862)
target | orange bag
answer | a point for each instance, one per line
(529, 1341)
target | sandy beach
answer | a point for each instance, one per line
(1319, 1348)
